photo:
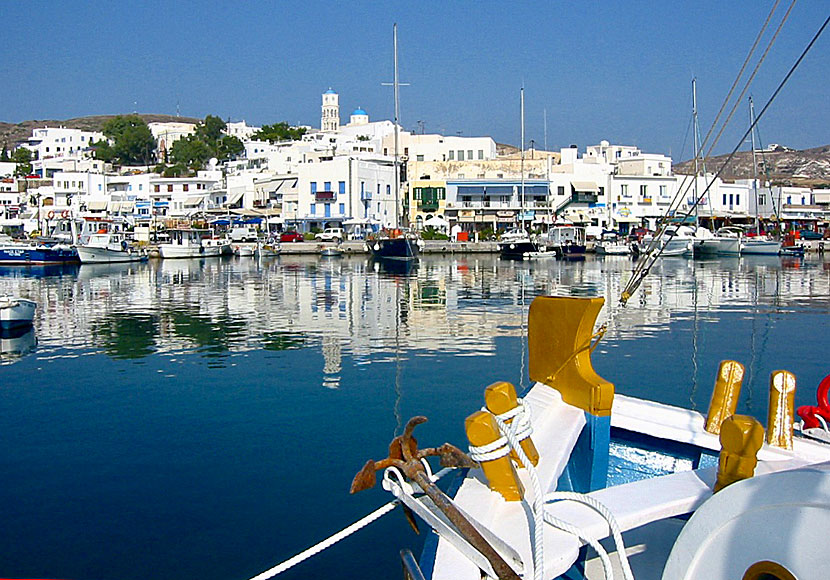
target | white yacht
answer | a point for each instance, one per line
(761, 244)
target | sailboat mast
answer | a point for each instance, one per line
(697, 145)
(395, 91)
(522, 158)
(754, 163)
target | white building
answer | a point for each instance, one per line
(241, 130)
(166, 134)
(330, 119)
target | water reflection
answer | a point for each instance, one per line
(16, 343)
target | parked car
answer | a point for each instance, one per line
(331, 235)
(810, 235)
(291, 237)
(243, 234)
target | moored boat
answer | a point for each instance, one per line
(394, 245)
(193, 243)
(110, 247)
(34, 253)
(330, 252)
(16, 312)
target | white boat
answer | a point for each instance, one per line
(675, 494)
(16, 312)
(330, 252)
(193, 243)
(611, 245)
(675, 241)
(763, 245)
(566, 240)
(244, 250)
(268, 249)
(109, 247)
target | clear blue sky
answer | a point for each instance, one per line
(614, 70)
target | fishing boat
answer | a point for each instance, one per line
(193, 243)
(395, 244)
(566, 240)
(16, 312)
(267, 249)
(110, 247)
(576, 481)
(36, 253)
(244, 250)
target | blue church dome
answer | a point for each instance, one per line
(329, 92)
(359, 111)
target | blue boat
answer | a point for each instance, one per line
(37, 254)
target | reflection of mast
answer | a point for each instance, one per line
(332, 361)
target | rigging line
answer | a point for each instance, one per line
(752, 77)
(637, 279)
(740, 73)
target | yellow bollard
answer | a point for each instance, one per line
(781, 409)
(725, 394)
(500, 398)
(501, 475)
(741, 437)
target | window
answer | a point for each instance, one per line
(738, 199)
(624, 190)
(419, 158)
(470, 154)
(170, 187)
(388, 189)
(560, 190)
(313, 209)
(140, 187)
(341, 187)
(730, 199)
(450, 155)
(789, 199)
(481, 153)
(99, 187)
(644, 190)
(327, 186)
(724, 199)
(762, 199)
(185, 187)
(461, 155)
(129, 187)
(664, 191)
(313, 187)
(341, 208)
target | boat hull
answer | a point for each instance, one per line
(93, 255)
(394, 249)
(174, 251)
(761, 247)
(517, 250)
(28, 255)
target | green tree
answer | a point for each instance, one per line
(190, 151)
(23, 158)
(229, 147)
(4, 156)
(210, 130)
(132, 141)
(279, 132)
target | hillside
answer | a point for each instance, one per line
(810, 167)
(13, 133)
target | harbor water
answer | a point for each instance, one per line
(204, 418)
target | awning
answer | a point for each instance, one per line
(191, 201)
(97, 205)
(234, 197)
(585, 186)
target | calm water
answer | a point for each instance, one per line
(203, 419)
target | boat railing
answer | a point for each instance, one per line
(411, 570)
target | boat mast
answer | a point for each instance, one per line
(395, 91)
(522, 158)
(697, 146)
(754, 164)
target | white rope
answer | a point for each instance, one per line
(344, 533)
(594, 504)
(495, 450)
(537, 507)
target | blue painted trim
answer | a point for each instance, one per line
(587, 468)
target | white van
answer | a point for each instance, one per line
(243, 234)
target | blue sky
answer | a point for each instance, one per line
(619, 71)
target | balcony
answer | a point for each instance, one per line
(365, 196)
(324, 196)
(427, 205)
(583, 197)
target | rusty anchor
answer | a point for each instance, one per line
(405, 456)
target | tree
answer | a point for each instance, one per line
(132, 141)
(279, 132)
(4, 156)
(23, 158)
(190, 151)
(229, 147)
(210, 130)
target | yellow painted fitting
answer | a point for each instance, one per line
(501, 475)
(741, 437)
(500, 398)
(781, 409)
(725, 395)
(559, 338)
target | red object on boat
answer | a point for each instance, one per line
(808, 413)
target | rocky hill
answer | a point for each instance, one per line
(810, 167)
(13, 133)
